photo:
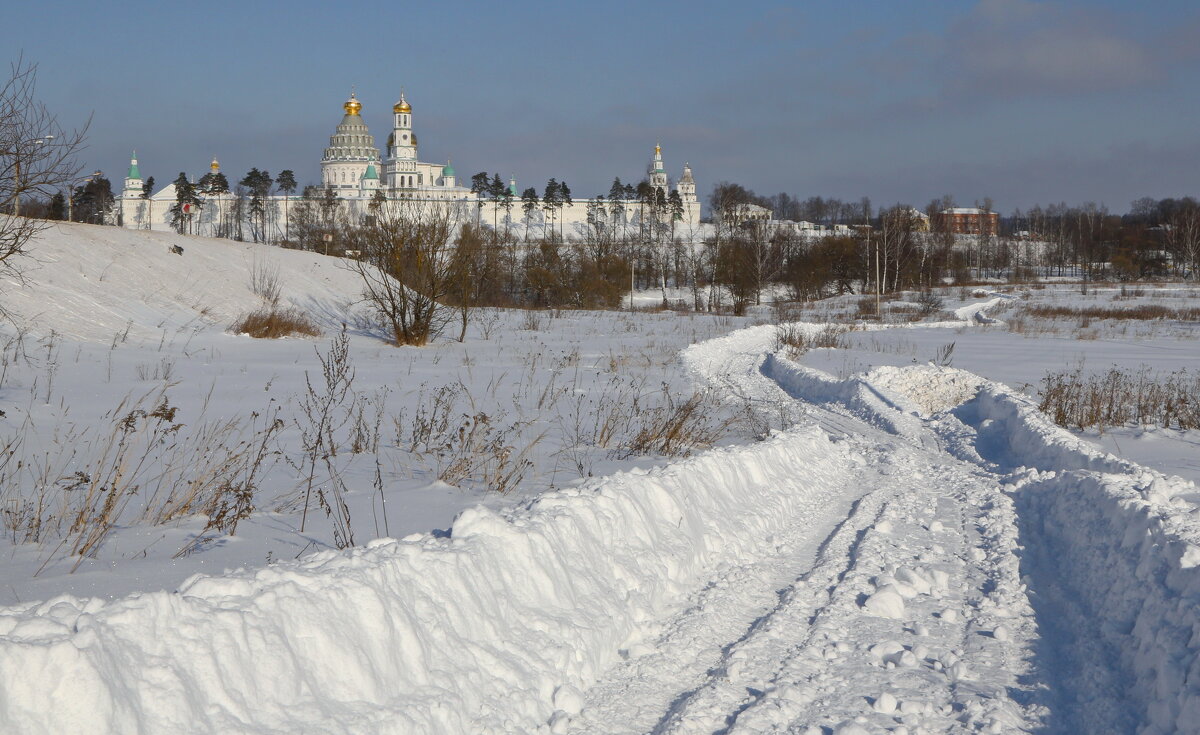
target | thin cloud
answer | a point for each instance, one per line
(1012, 48)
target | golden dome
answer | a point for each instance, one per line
(214, 166)
(352, 105)
(402, 106)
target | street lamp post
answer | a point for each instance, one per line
(17, 171)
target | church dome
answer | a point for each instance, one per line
(352, 140)
(447, 170)
(402, 106)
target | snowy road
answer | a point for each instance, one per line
(893, 599)
(784, 641)
(895, 603)
(920, 552)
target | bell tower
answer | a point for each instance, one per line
(401, 169)
(658, 175)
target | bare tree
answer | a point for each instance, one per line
(37, 158)
(408, 267)
(1183, 236)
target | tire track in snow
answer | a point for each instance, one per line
(798, 665)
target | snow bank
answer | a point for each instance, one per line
(889, 412)
(1112, 548)
(1011, 432)
(932, 388)
(1118, 548)
(977, 312)
(491, 630)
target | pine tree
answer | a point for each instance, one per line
(564, 200)
(616, 205)
(258, 183)
(506, 201)
(529, 202)
(186, 205)
(286, 181)
(496, 190)
(148, 188)
(58, 207)
(551, 197)
(479, 183)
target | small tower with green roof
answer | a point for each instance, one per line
(133, 180)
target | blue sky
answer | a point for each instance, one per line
(1016, 100)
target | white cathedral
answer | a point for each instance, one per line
(353, 170)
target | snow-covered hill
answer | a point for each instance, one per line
(89, 282)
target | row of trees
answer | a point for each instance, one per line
(244, 211)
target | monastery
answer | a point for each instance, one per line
(356, 173)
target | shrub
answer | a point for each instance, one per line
(272, 322)
(929, 303)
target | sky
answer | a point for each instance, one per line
(1020, 101)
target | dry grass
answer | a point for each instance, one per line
(1119, 397)
(1144, 312)
(272, 322)
(85, 483)
(794, 340)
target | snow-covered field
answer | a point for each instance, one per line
(913, 548)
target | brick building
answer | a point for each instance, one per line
(968, 221)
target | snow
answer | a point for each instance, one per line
(910, 547)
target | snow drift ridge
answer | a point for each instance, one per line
(512, 614)
(1111, 547)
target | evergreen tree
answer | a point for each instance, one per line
(148, 188)
(529, 202)
(675, 206)
(58, 207)
(186, 205)
(479, 183)
(286, 181)
(93, 201)
(564, 200)
(551, 197)
(258, 183)
(616, 197)
(506, 201)
(496, 190)
(214, 184)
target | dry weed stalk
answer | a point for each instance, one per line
(795, 340)
(1118, 397)
(265, 281)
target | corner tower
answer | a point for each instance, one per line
(687, 185)
(133, 180)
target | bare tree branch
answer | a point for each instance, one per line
(37, 158)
